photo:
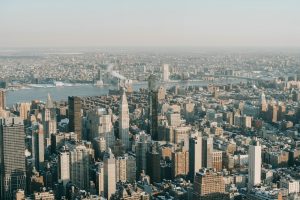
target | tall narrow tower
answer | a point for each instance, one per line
(165, 70)
(49, 118)
(124, 121)
(254, 168)
(2, 99)
(109, 174)
(75, 121)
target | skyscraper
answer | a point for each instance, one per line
(100, 178)
(2, 99)
(207, 152)
(165, 70)
(195, 153)
(49, 118)
(156, 95)
(75, 122)
(79, 166)
(254, 166)
(24, 110)
(64, 166)
(100, 125)
(124, 121)
(12, 162)
(109, 174)
(38, 149)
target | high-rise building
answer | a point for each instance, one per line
(142, 146)
(180, 163)
(64, 166)
(217, 160)
(254, 166)
(207, 152)
(75, 121)
(49, 118)
(121, 169)
(195, 155)
(12, 157)
(24, 110)
(109, 174)
(156, 95)
(100, 125)
(130, 168)
(165, 70)
(209, 185)
(80, 166)
(38, 149)
(100, 179)
(2, 99)
(124, 121)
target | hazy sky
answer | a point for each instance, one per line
(54, 23)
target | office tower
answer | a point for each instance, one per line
(100, 125)
(2, 99)
(246, 121)
(180, 163)
(79, 166)
(121, 169)
(75, 121)
(195, 155)
(12, 153)
(181, 136)
(130, 168)
(153, 163)
(109, 174)
(189, 110)
(207, 152)
(99, 145)
(273, 113)
(141, 148)
(209, 185)
(217, 160)
(165, 70)
(24, 110)
(124, 121)
(156, 95)
(174, 119)
(100, 178)
(64, 165)
(254, 166)
(38, 147)
(49, 118)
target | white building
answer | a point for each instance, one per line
(100, 179)
(254, 166)
(64, 166)
(165, 74)
(109, 174)
(290, 184)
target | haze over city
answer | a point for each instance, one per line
(74, 23)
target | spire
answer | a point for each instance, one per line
(49, 103)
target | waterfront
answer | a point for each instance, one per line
(62, 93)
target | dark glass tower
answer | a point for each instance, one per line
(12, 152)
(75, 123)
